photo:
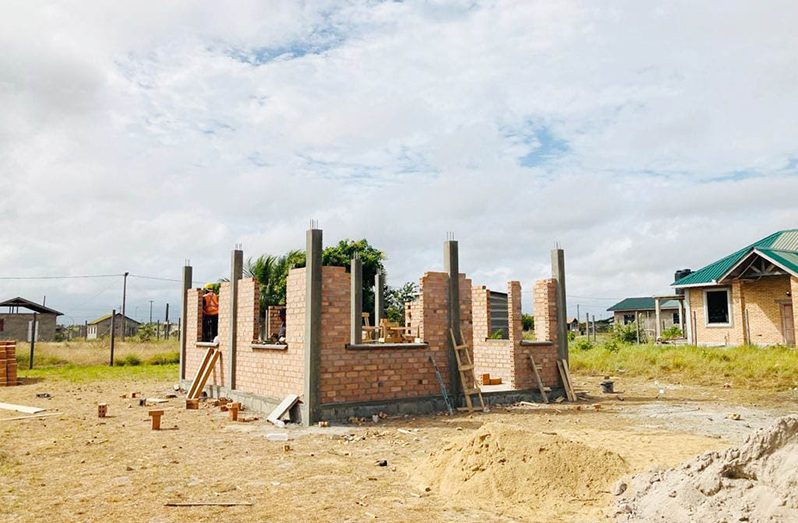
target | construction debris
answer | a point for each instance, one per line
(21, 408)
(282, 410)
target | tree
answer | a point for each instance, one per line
(395, 299)
(271, 272)
(341, 256)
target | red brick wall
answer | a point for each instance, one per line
(352, 375)
(509, 359)
(273, 319)
(8, 363)
(266, 372)
(545, 310)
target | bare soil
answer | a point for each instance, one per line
(76, 466)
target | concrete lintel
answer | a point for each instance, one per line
(236, 273)
(312, 365)
(187, 284)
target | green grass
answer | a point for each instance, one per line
(83, 374)
(770, 368)
(82, 361)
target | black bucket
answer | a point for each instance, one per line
(607, 386)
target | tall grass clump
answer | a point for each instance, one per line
(770, 368)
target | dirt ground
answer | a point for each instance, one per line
(76, 466)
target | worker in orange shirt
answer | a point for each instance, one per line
(210, 314)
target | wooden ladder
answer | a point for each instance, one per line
(466, 369)
(536, 371)
(203, 373)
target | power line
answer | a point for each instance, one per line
(154, 278)
(60, 277)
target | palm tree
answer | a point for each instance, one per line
(271, 273)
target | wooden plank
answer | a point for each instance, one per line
(284, 406)
(541, 388)
(566, 385)
(568, 375)
(204, 373)
(21, 408)
(200, 370)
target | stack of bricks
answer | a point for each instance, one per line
(545, 305)
(8, 363)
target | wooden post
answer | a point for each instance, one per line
(113, 335)
(637, 325)
(32, 340)
(595, 331)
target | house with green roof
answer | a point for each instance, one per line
(747, 297)
(643, 311)
(102, 326)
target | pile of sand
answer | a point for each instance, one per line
(757, 481)
(506, 464)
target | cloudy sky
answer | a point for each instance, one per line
(642, 138)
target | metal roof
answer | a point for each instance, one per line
(645, 303)
(784, 242)
(108, 316)
(31, 306)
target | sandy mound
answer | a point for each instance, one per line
(757, 481)
(504, 463)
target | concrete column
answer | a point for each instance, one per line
(379, 298)
(356, 273)
(687, 318)
(187, 284)
(236, 273)
(311, 389)
(451, 264)
(657, 318)
(681, 315)
(558, 273)
(794, 296)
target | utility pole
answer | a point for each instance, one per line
(151, 311)
(577, 321)
(113, 334)
(124, 318)
(166, 322)
(32, 340)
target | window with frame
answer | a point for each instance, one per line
(676, 318)
(628, 318)
(717, 303)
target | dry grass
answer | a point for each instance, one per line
(97, 352)
(768, 368)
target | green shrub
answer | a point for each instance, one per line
(571, 335)
(166, 358)
(130, 360)
(582, 344)
(498, 334)
(671, 333)
(611, 345)
(626, 333)
(527, 322)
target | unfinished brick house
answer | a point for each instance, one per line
(747, 297)
(324, 359)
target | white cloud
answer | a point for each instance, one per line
(133, 138)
